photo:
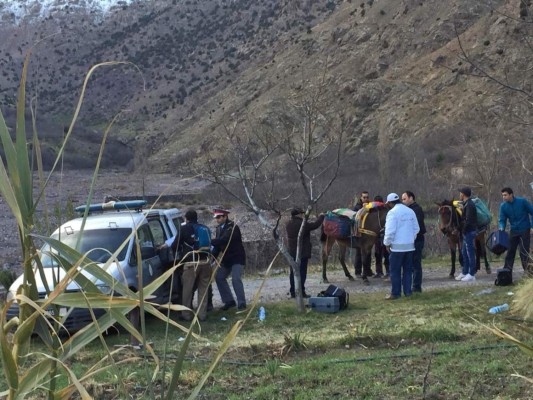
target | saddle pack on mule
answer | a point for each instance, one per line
(339, 223)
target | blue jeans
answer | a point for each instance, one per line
(401, 272)
(223, 273)
(469, 253)
(417, 265)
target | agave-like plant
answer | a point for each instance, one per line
(522, 305)
(24, 376)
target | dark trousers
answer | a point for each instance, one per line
(417, 264)
(303, 276)
(516, 239)
(359, 262)
(382, 257)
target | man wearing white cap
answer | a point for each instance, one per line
(401, 228)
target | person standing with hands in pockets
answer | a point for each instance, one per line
(228, 242)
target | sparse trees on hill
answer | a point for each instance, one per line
(302, 132)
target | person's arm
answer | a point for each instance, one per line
(529, 209)
(221, 242)
(502, 218)
(416, 227)
(390, 229)
(311, 226)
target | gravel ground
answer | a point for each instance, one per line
(74, 185)
(276, 287)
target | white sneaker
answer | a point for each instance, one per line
(468, 278)
(459, 277)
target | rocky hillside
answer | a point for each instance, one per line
(425, 114)
(182, 53)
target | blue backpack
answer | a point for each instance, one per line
(202, 238)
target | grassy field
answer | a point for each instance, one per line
(430, 346)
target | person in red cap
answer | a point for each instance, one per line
(228, 243)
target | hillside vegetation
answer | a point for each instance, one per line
(411, 74)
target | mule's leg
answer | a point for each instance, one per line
(453, 255)
(326, 249)
(477, 249)
(358, 261)
(342, 260)
(483, 248)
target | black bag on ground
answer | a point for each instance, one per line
(504, 277)
(340, 293)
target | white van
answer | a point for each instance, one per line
(101, 237)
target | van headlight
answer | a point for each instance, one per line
(105, 289)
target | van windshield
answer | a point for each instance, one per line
(98, 239)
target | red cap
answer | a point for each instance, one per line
(219, 211)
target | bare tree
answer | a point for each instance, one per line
(293, 153)
(506, 145)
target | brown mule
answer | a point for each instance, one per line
(373, 225)
(450, 224)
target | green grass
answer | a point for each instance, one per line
(427, 346)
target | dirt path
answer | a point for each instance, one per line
(276, 287)
(74, 185)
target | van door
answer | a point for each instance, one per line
(151, 263)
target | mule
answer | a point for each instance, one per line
(450, 224)
(373, 224)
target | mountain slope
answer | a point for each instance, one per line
(395, 66)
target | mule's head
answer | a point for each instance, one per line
(448, 217)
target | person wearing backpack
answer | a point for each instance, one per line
(468, 250)
(519, 212)
(196, 265)
(228, 243)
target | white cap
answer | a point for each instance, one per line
(392, 197)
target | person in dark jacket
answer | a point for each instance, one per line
(196, 267)
(519, 212)
(363, 200)
(469, 236)
(380, 251)
(228, 242)
(409, 199)
(293, 229)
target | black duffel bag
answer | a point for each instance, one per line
(340, 293)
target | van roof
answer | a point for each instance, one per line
(122, 219)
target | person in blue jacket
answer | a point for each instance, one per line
(519, 212)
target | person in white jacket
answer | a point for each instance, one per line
(401, 228)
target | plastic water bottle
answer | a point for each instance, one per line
(262, 314)
(497, 309)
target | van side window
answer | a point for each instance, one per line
(145, 236)
(158, 232)
(177, 222)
